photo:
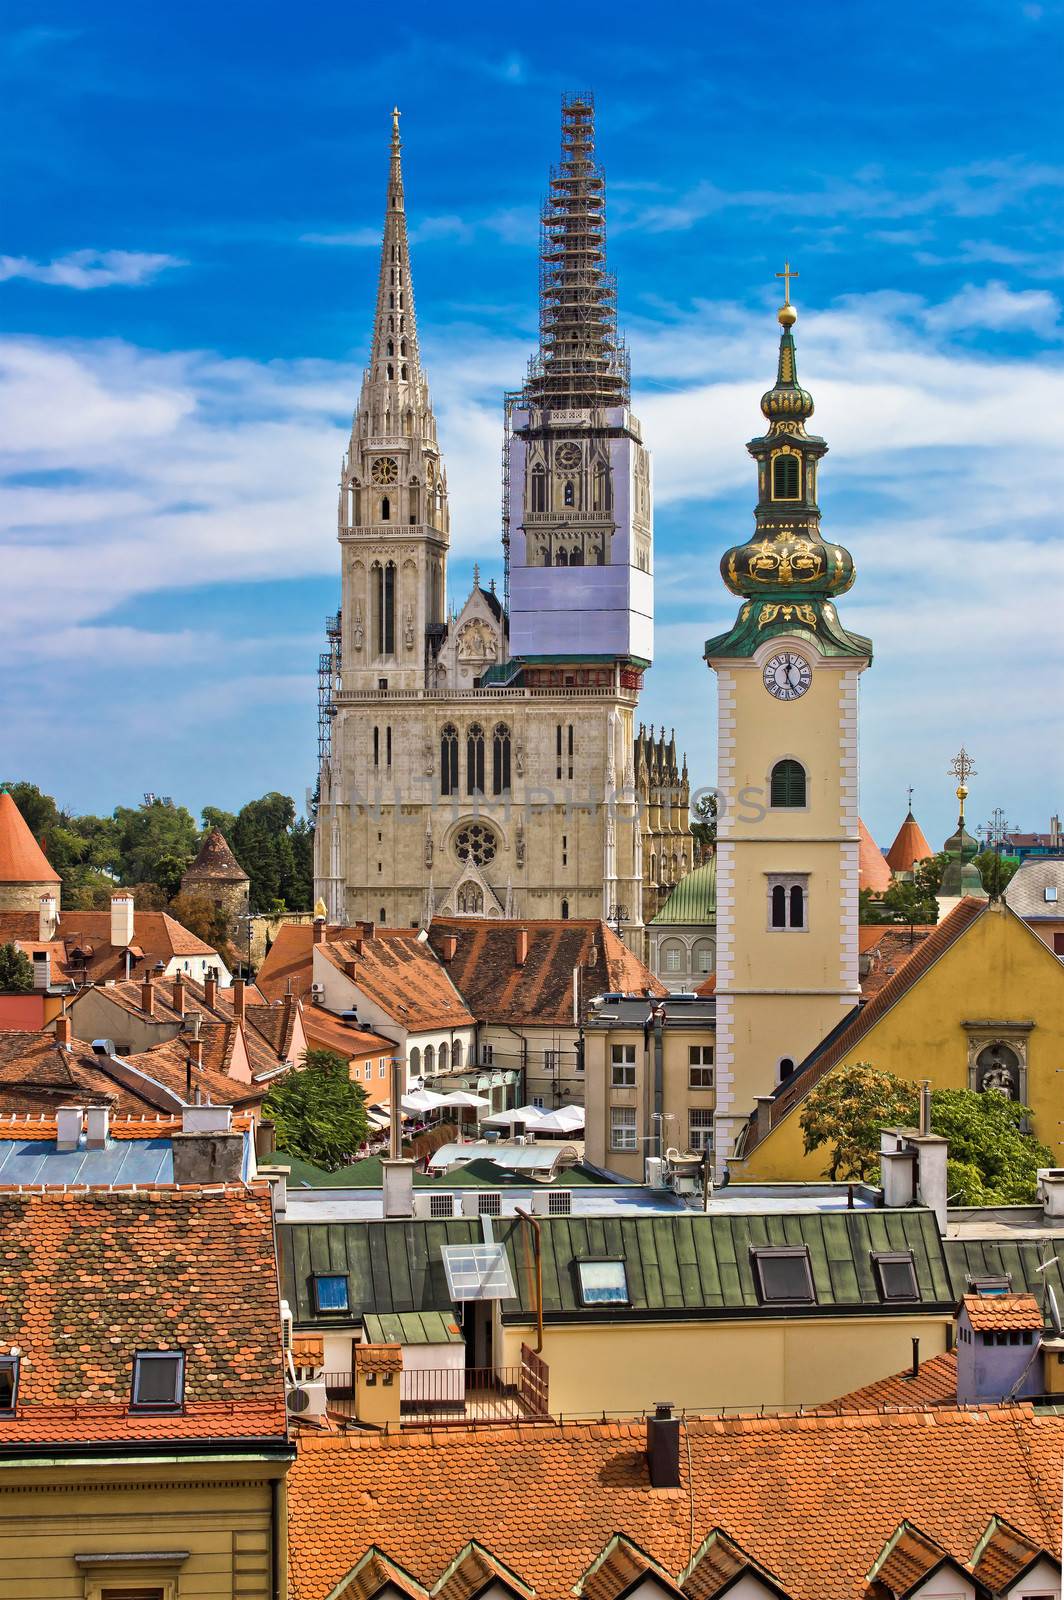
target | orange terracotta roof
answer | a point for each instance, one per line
(887, 954)
(707, 988)
(473, 1571)
(375, 1573)
(907, 1560)
(21, 858)
(89, 1277)
(1003, 1313)
(812, 1498)
(37, 1074)
(82, 950)
(718, 1564)
(215, 863)
(327, 1032)
(122, 1125)
(809, 1074)
(378, 1358)
(873, 871)
(484, 967)
(1005, 1555)
(935, 1384)
(402, 976)
(289, 963)
(909, 847)
(620, 1567)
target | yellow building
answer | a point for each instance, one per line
(979, 1005)
(788, 832)
(143, 1437)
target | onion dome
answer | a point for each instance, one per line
(787, 398)
(961, 875)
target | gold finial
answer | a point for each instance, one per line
(962, 767)
(786, 314)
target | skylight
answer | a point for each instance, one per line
(330, 1291)
(602, 1283)
(477, 1272)
(783, 1276)
(158, 1380)
(896, 1274)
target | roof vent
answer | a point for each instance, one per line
(69, 1121)
(103, 1047)
(206, 1119)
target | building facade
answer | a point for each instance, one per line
(483, 763)
(788, 836)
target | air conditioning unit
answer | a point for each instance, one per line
(307, 1401)
(287, 1325)
(434, 1207)
(317, 993)
(553, 1203)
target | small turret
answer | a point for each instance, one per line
(961, 877)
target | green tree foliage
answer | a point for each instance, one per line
(992, 1159)
(704, 823)
(318, 1112)
(198, 913)
(224, 821)
(927, 875)
(154, 841)
(16, 971)
(276, 853)
(996, 872)
(904, 903)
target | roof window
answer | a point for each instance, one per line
(158, 1380)
(1050, 891)
(602, 1283)
(990, 1286)
(477, 1272)
(783, 1276)
(895, 1274)
(8, 1383)
(330, 1292)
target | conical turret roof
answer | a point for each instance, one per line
(21, 858)
(910, 846)
(873, 871)
(215, 863)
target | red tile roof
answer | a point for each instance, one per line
(1005, 1556)
(21, 858)
(89, 1277)
(887, 949)
(289, 963)
(215, 863)
(402, 976)
(812, 1498)
(935, 1384)
(38, 1074)
(1003, 1313)
(873, 871)
(909, 847)
(484, 967)
(907, 1560)
(156, 937)
(122, 1125)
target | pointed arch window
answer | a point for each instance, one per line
(570, 492)
(500, 759)
(787, 788)
(561, 558)
(449, 759)
(475, 759)
(391, 348)
(384, 607)
(391, 370)
(577, 558)
(539, 488)
(786, 477)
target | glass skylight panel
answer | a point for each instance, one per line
(330, 1292)
(784, 1277)
(158, 1380)
(602, 1283)
(477, 1272)
(896, 1274)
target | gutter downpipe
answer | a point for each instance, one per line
(537, 1251)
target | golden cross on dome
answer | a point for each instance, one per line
(962, 767)
(787, 275)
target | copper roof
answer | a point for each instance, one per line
(909, 847)
(21, 858)
(873, 870)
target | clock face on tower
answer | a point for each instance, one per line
(787, 676)
(568, 456)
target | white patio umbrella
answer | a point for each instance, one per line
(510, 1119)
(423, 1100)
(567, 1119)
(463, 1101)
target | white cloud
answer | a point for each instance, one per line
(90, 269)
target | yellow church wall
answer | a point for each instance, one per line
(998, 971)
(221, 1514)
(626, 1366)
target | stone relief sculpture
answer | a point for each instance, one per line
(357, 634)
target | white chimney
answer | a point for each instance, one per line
(96, 1120)
(42, 969)
(206, 1119)
(47, 918)
(121, 921)
(68, 1125)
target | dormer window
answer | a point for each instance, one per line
(158, 1380)
(786, 477)
(8, 1384)
(895, 1274)
(331, 1292)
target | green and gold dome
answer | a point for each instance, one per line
(787, 573)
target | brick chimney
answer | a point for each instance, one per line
(520, 947)
(47, 918)
(448, 947)
(238, 999)
(62, 1030)
(179, 994)
(210, 991)
(147, 997)
(319, 930)
(121, 921)
(350, 968)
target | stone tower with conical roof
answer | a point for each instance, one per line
(217, 874)
(788, 830)
(26, 874)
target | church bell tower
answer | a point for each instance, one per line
(787, 712)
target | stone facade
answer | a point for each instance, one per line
(217, 874)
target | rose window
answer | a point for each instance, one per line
(385, 470)
(475, 842)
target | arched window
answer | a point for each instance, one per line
(415, 1062)
(570, 492)
(787, 787)
(779, 906)
(456, 1056)
(402, 347)
(565, 910)
(386, 509)
(561, 559)
(786, 477)
(703, 957)
(391, 370)
(383, 914)
(500, 759)
(786, 1067)
(384, 608)
(577, 558)
(539, 489)
(402, 371)
(449, 760)
(391, 348)
(430, 1060)
(475, 759)
(797, 905)
(442, 1058)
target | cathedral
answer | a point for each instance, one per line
(486, 761)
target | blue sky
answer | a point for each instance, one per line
(191, 197)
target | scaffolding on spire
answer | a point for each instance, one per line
(581, 362)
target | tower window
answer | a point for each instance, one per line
(475, 760)
(376, 747)
(565, 910)
(563, 747)
(788, 901)
(786, 477)
(500, 759)
(449, 760)
(386, 509)
(384, 603)
(570, 492)
(539, 489)
(787, 787)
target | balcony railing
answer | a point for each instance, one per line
(446, 1396)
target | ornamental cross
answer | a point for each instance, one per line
(787, 275)
(962, 767)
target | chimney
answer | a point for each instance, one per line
(238, 999)
(397, 1169)
(179, 994)
(932, 1190)
(367, 928)
(42, 969)
(121, 921)
(96, 1121)
(147, 997)
(62, 1031)
(925, 1106)
(350, 968)
(319, 930)
(520, 947)
(208, 1149)
(68, 1125)
(210, 990)
(448, 947)
(897, 1168)
(663, 1447)
(47, 918)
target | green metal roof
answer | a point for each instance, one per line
(413, 1327)
(697, 1265)
(391, 1266)
(694, 898)
(1019, 1258)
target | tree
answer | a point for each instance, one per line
(16, 971)
(927, 875)
(224, 821)
(276, 852)
(908, 904)
(992, 1160)
(704, 823)
(318, 1112)
(996, 872)
(152, 834)
(205, 918)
